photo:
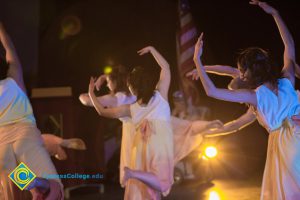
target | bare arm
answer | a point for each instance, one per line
(15, 68)
(222, 70)
(233, 126)
(165, 74)
(105, 100)
(116, 112)
(240, 96)
(289, 46)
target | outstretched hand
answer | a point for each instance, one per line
(145, 50)
(100, 81)
(194, 74)
(198, 48)
(266, 7)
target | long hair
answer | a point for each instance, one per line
(143, 82)
(258, 62)
(119, 76)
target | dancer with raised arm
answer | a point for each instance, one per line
(275, 102)
(151, 113)
(20, 139)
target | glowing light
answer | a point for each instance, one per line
(211, 152)
(107, 69)
(213, 195)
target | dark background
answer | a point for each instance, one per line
(112, 31)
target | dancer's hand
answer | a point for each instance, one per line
(92, 86)
(100, 81)
(198, 48)
(145, 50)
(194, 74)
(215, 124)
(266, 7)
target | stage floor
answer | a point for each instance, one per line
(237, 189)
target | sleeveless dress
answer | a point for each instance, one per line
(21, 141)
(152, 149)
(128, 131)
(281, 180)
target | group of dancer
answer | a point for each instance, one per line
(150, 147)
(152, 140)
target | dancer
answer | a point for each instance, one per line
(119, 95)
(188, 133)
(151, 166)
(275, 103)
(153, 111)
(239, 83)
(20, 139)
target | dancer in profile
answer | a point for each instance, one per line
(20, 139)
(238, 82)
(275, 102)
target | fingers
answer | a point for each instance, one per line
(254, 2)
(190, 73)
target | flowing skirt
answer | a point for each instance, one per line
(281, 180)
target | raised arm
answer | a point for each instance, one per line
(241, 96)
(116, 112)
(15, 68)
(222, 70)
(108, 100)
(289, 46)
(165, 74)
(233, 126)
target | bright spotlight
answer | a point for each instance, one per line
(107, 69)
(211, 152)
(213, 195)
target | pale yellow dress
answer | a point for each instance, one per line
(281, 180)
(21, 141)
(152, 148)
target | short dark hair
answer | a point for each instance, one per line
(143, 81)
(258, 62)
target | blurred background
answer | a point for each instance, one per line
(61, 43)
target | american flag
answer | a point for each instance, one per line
(186, 39)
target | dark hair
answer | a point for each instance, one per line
(119, 76)
(143, 82)
(259, 64)
(4, 65)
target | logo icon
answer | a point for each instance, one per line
(22, 176)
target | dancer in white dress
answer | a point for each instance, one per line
(275, 102)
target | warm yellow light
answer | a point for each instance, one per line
(211, 151)
(107, 69)
(213, 195)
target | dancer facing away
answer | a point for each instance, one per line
(150, 172)
(188, 133)
(150, 112)
(20, 139)
(274, 102)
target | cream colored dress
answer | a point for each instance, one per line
(20, 140)
(152, 148)
(128, 131)
(281, 180)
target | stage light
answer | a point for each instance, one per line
(213, 195)
(107, 69)
(211, 152)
